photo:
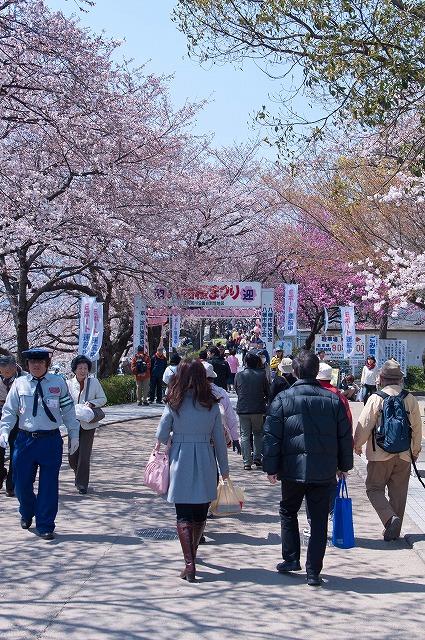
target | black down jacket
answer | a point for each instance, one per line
(307, 434)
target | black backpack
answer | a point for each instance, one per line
(394, 432)
(141, 366)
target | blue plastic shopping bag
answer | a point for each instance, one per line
(343, 529)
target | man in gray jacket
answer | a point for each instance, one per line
(252, 389)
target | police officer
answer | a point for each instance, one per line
(41, 402)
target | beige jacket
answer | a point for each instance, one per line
(370, 418)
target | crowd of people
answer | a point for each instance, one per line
(290, 421)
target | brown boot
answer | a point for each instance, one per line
(185, 531)
(198, 530)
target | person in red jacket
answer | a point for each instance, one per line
(141, 368)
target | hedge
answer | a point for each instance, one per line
(415, 380)
(118, 389)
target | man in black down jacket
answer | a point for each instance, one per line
(252, 389)
(307, 440)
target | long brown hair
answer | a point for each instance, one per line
(190, 377)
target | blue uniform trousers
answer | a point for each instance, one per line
(44, 454)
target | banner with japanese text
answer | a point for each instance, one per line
(348, 331)
(91, 328)
(267, 318)
(139, 322)
(210, 294)
(175, 330)
(291, 305)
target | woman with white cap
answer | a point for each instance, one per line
(285, 380)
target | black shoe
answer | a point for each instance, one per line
(3, 474)
(258, 463)
(47, 535)
(139, 404)
(82, 491)
(10, 493)
(392, 529)
(288, 565)
(25, 524)
(202, 539)
(247, 467)
(314, 580)
(146, 404)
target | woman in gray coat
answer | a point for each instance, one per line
(193, 417)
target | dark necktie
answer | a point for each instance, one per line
(39, 392)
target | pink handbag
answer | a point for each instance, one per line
(157, 471)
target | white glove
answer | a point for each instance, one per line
(73, 444)
(4, 439)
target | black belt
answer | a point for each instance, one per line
(38, 434)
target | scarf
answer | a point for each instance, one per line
(371, 366)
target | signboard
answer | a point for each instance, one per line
(91, 328)
(286, 346)
(392, 349)
(139, 323)
(334, 348)
(373, 346)
(210, 294)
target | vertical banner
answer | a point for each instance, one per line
(91, 328)
(291, 305)
(348, 329)
(174, 330)
(267, 318)
(140, 329)
(373, 347)
(325, 320)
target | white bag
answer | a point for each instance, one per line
(229, 500)
(83, 413)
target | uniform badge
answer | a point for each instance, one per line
(54, 389)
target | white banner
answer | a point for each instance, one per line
(267, 318)
(325, 320)
(140, 331)
(348, 331)
(91, 328)
(174, 330)
(291, 305)
(373, 347)
(210, 294)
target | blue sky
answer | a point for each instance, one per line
(152, 38)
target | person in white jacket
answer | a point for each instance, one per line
(86, 393)
(370, 378)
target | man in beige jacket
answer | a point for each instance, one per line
(388, 470)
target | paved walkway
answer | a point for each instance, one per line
(105, 577)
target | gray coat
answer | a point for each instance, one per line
(193, 469)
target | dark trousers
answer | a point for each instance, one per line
(10, 486)
(155, 388)
(317, 499)
(44, 455)
(370, 388)
(79, 461)
(191, 512)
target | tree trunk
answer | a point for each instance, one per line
(383, 324)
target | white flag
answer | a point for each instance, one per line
(348, 330)
(291, 305)
(325, 320)
(91, 328)
(139, 323)
(175, 329)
